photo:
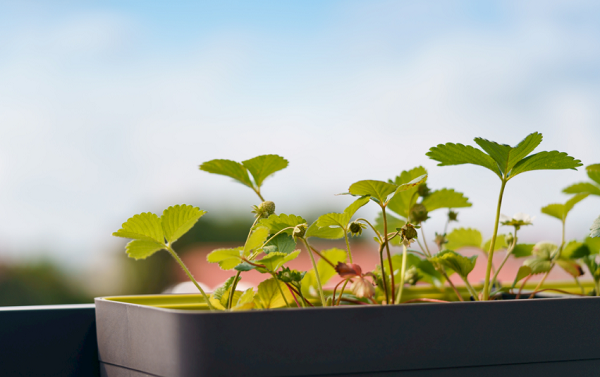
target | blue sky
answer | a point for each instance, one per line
(107, 108)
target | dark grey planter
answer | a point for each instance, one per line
(549, 337)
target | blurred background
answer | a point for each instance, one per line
(108, 107)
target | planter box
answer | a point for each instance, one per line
(550, 337)
(50, 340)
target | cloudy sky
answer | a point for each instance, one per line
(108, 107)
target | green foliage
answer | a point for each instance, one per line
(145, 226)
(463, 237)
(276, 223)
(583, 188)
(221, 294)
(424, 268)
(256, 239)
(342, 219)
(593, 244)
(506, 156)
(445, 198)
(377, 190)
(326, 232)
(142, 249)
(560, 211)
(571, 267)
(595, 229)
(229, 168)
(523, 272)
(575, 250)
(522, 250)
(269, 294)
(226, 258)
(263, 166)
(456, 262)
(282, 243)
(273, 261)
(393, 224)
(403, 201)
(459, 154)
(500, 243)
(538, 265)
(326, 271)
(552, 160)
(177, 220)
(593, 171)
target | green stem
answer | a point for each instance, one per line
(372, 227)
(257, 191)
(384, 280)
(424, 240)
(470, 289)
(232, 290)
(312, 259)
(280, 290)
(488, 271)
(579, 284)
(402, 272)
(445, 275)
(189, 274)
(348, 246)
(508, 253)
(422, 248)
(389, 255)
(341, 292)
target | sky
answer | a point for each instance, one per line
(108, 107)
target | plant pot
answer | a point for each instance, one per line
(145, 335)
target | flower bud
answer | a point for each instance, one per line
(299, 230)
(356, 228)
(264, 210)
(509, 239)
(409, 233)
(418, 213)
(423, 190)
(440, 240)
(452, 216)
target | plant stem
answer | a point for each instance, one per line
(541, 282)
(422, 248)
(580, 286)
(280, 290)
(322, 257)
(522, 286)
(445, 275)
(341, 293)
(385, 287)
(402, 272)
(389, 255)
(257, 191)
(508, 253)
(424, 240)
(232, 290)
(470, 288)
(348, 246)
(294, 296)
(372, 227)
(189, 274)
(312, 259)
(488, 271)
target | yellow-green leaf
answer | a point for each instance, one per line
(269, 294)
(273, 261)
(263, 166)
(458, 154)
(142, 249)
(500, 243)
(445, 198)
(275, 223)
(583, 188)
(226, 258)
(177, 220)
(326, 271)
(560, 211)
(229, 168)
(377, 190)
(595, 229)
(403, 201)
(329, 233)
(593, 171)
(523, 272)
(463, 237)
(456, 262)
(145, 226)
(545, 161)
(257, 238)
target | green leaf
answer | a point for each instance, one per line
(377, 190)
(538, 265)
(593, 171)
(269, 294)
(545, 250)
(245, 301)
(393, 224)
(222, 293)
(595, 229)
(583, 188)
(142, 249)
(545, 161)
(333, 219)
(571, 267)
(575, 250)
(523, 272)
(412, 184)
(263, 166)
(145, 226)
(177, 220)
(273, 261)
(463, 237)
(229, 168)
(355, 206)
(500, 243)
(403, 201)
(226, 258)
(522, 250)
(326, 232)
(456, 262)
(282, 243)
(593, 266)
(445, 198)
(257, 238)
(458, 154)
(593, 244)
(560, 211)
(275, 223)
(505, 155)
(424, 268)
(326, 272)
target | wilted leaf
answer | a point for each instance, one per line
(229, 168)
(445, 198)
(263, 166)
(463, 237)
(571, 267)
(177, 220)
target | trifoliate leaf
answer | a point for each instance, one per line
(505, 155)
(263, 166)
(177, 220)
(273, 261)
(523, 272)
(595, 229)
(593, 171)
(256, 239)
(575, 250)
(456, 262)
(560, 211)
(142, 249)
(326, 271)
(445, 198)
(545, 161)
(463, 237)
(328, 233)
(458, 154)
(282, 243)
(522, 250)
(593, 244)
(538, 265)
(393, 224)
(403, 201)
(145, 226)
(377, 190)
(229, 168)
(269, 294)
(333, 219)
(500, 243)
(275, 223)
(571, 267)
(583, 188)
(226, 258)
